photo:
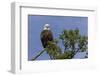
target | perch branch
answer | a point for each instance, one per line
(38, 55)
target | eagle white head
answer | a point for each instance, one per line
(46, 27)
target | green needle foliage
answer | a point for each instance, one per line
(73, 43)
(53, 50)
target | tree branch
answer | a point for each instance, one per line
(38, 55)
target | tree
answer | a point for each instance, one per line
(72, 41)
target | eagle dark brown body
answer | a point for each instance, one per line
(46, 35)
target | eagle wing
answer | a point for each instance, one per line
(46, 35)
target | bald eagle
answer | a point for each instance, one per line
(46, 35)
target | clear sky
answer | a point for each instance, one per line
(57, 25)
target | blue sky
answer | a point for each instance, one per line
(57, 25)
